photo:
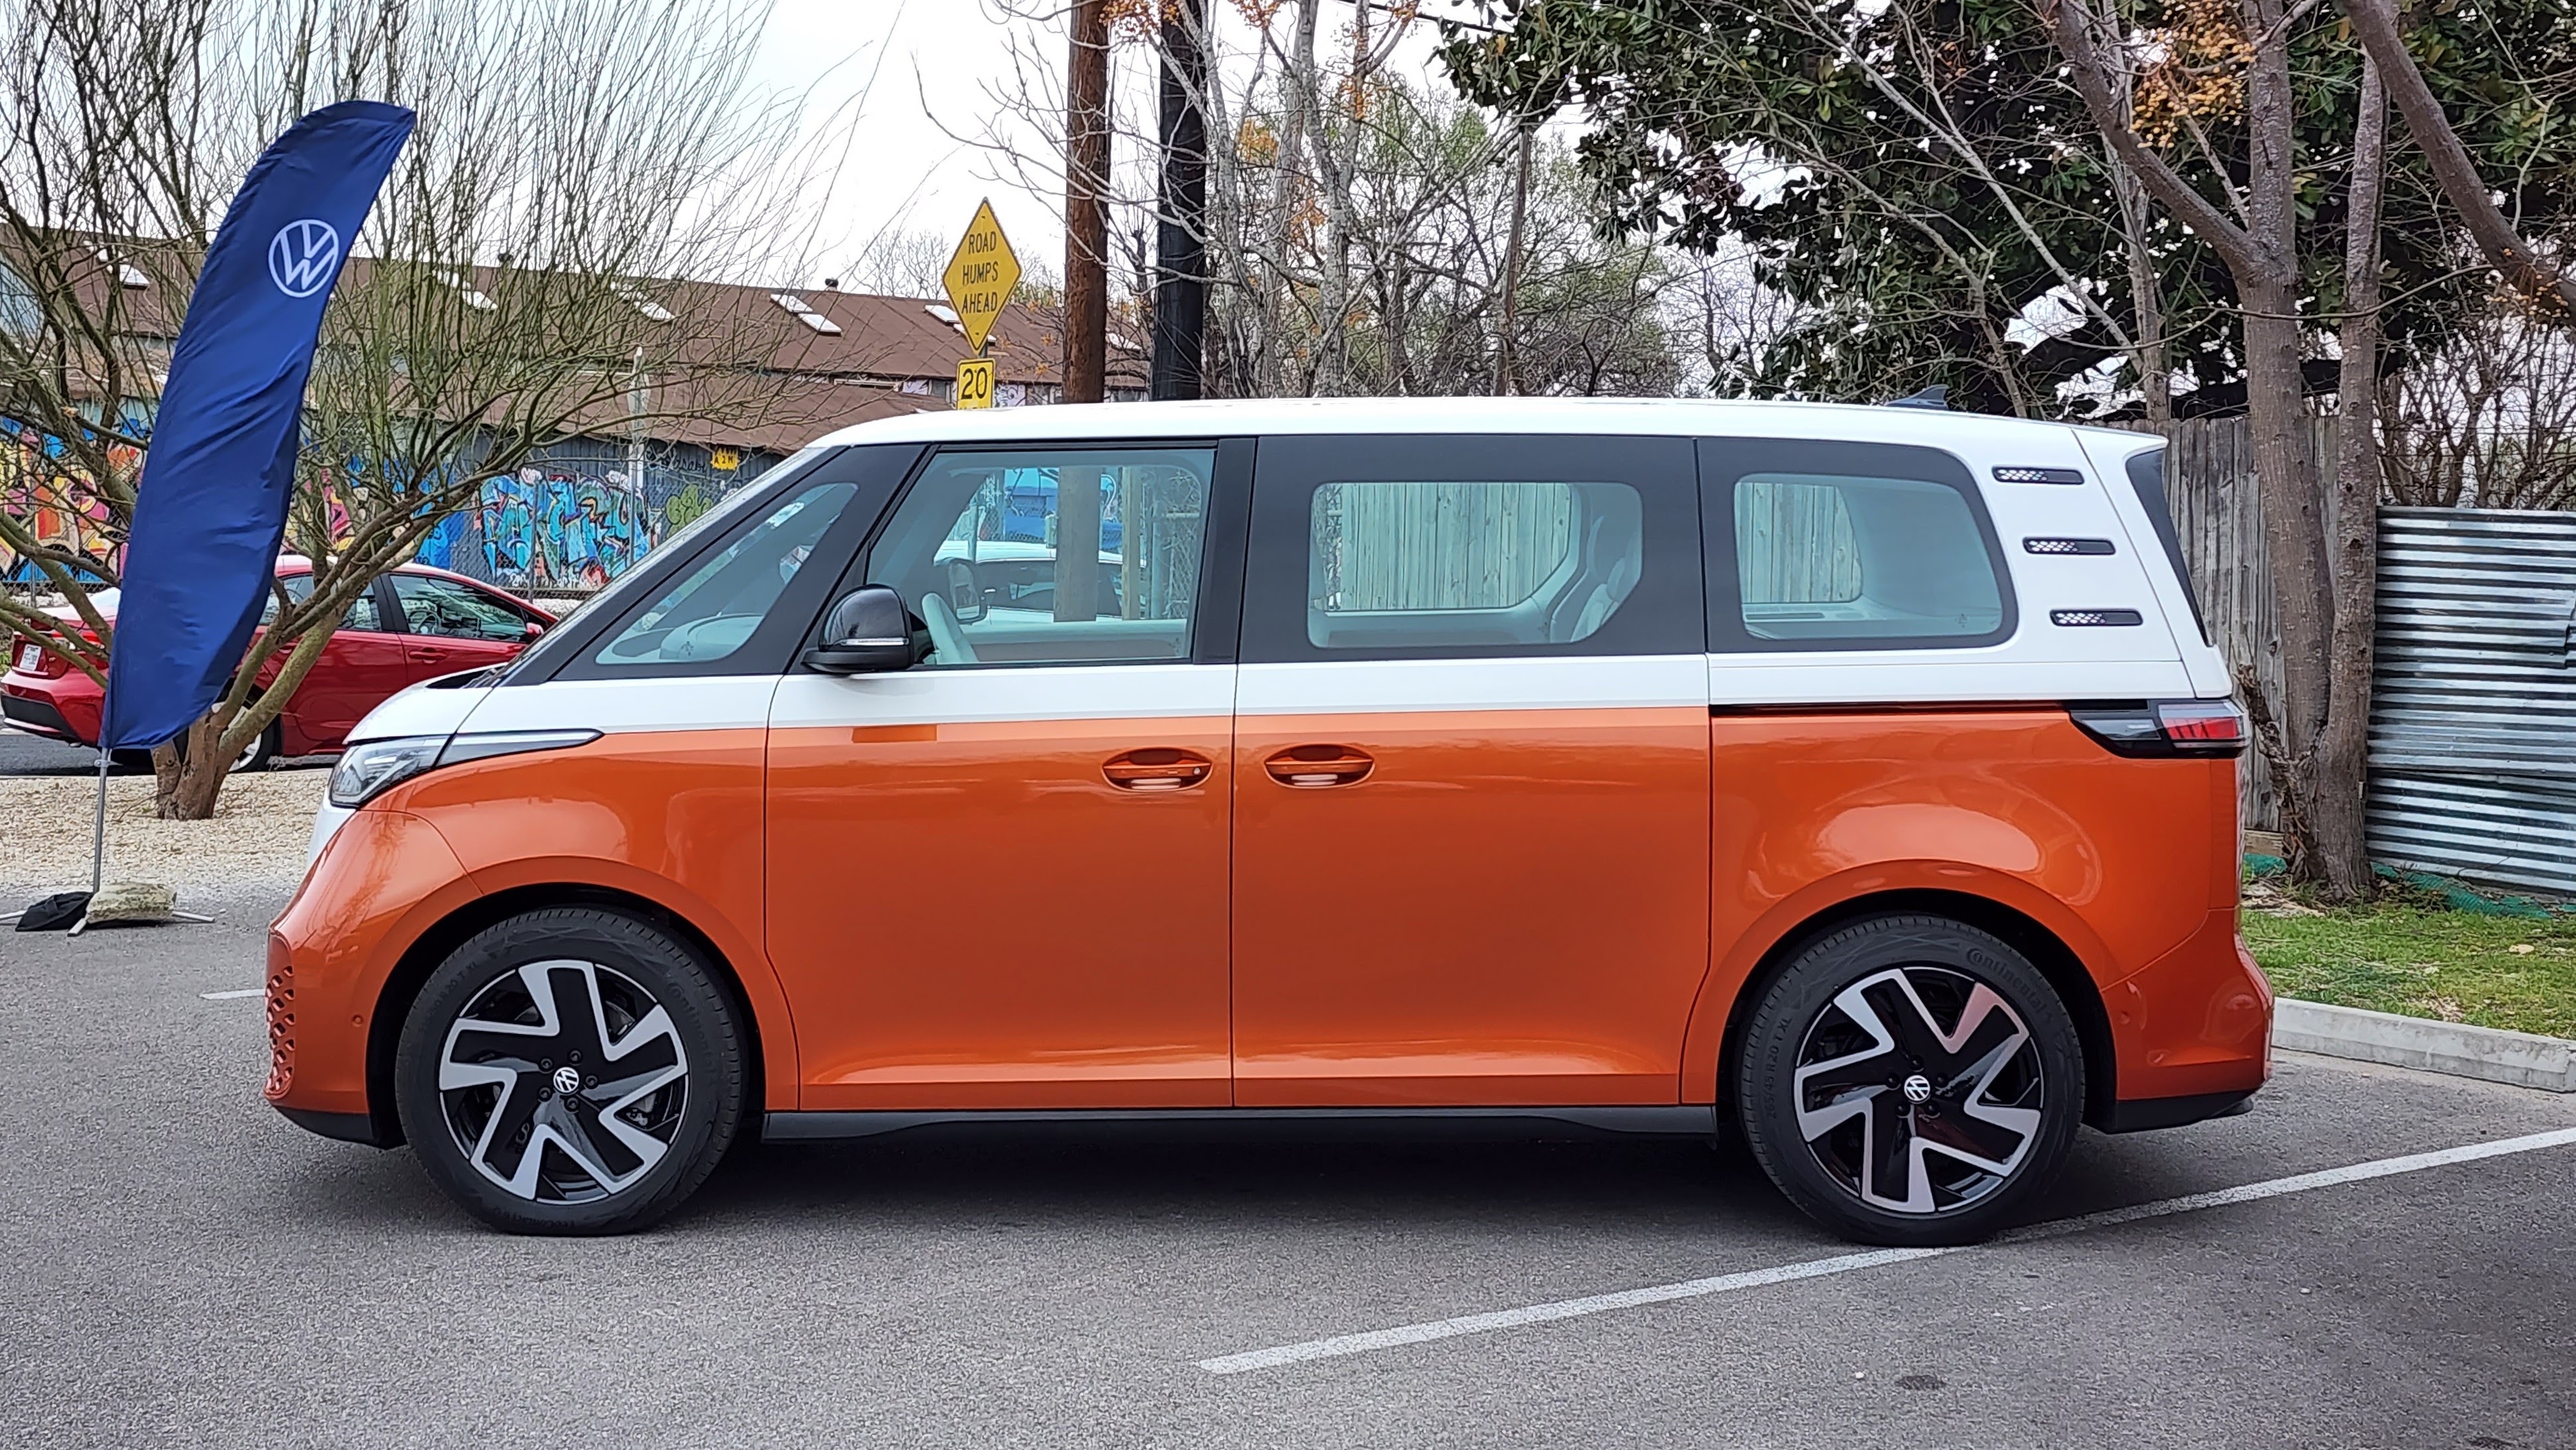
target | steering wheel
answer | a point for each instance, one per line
(947, 636)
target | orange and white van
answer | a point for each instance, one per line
(1857, 776)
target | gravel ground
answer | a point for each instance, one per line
(256, 838)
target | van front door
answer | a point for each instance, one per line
(998, 879)
(1472, 773)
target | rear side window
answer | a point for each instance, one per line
(2147, 476)
(1414, 563)
(1849, 546)
(1403, 546)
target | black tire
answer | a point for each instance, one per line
(1901, 1062)
(261, 753)
(577, 1158)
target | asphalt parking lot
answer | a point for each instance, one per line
(25, 754)
(181, 1266)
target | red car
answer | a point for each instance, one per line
(412, 624)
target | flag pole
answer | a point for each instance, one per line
(98, 826)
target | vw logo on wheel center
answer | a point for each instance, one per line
(567, 1080)
(1918, 1088)
(302, 256)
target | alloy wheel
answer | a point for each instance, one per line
(563, 1081)
(1919, 1090)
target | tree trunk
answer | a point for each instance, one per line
(2146, 294)
(1507, 378)
(1275, 361)
(1086, 219)
(2340, 768)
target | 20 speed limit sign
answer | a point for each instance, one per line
(975, 383)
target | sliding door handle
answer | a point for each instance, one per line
(1156, 768)
(1309, 766)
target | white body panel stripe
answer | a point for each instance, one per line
(1866, 677)
(1042, 692)
(1599, 682)
(418, 710)
(625, 707)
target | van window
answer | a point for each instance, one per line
(1424, 546)
(1051, 555)
(712, 612)
(1411, 563)
(1848, 546)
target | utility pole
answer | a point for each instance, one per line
(1086, 216)
(1180, 250)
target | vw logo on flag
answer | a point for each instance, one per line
(302, 257)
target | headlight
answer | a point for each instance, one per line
(364, 770)
(369, 770)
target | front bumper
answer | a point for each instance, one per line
(381, 881)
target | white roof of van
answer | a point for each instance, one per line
(1686, 417)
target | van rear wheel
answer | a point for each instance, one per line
(570, 1071)
(1910, 1080)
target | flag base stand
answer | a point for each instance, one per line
(136, 903)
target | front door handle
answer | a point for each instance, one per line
(1156, 768)
(1319, 765)
(428, 656)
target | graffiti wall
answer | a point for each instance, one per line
(52, 502)
(580, 515)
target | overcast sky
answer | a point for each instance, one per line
(917, 74)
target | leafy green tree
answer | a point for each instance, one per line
(1917, 173)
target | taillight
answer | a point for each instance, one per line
(2166, 729)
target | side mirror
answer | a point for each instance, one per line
(868, 632)
(965, 590)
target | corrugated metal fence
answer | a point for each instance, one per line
(2473, 711)
(2473, 724)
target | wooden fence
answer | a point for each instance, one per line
(2218, 513)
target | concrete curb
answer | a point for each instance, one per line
(2522, 1059)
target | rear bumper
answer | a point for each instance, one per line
(37, 712)
(2194, 1026)
(2144, 1114)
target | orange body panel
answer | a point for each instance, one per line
(973, 916)
(2118, 858)
(672, 816)
(1509, 909)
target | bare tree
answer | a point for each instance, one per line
(901, 262)
(516, 284)
(1352, 236)
(2488, 420)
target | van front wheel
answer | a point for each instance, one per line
(570, 1071)
(1910, 1080)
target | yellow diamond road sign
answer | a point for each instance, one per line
(980, 277)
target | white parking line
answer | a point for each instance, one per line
(228, 996)
(1403, 1334)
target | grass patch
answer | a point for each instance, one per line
(2401, 956)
